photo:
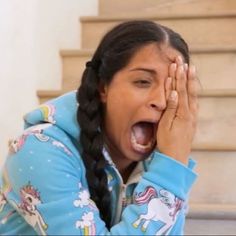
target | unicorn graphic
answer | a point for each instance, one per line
(16, 144)
(6, 188)
(6, 217)
(84, 200)
(30, 198)
(162, 208)
(87, 224)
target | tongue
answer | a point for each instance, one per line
(143, 132)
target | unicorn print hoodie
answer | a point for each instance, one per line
(43, 189)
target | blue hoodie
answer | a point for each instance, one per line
(43, 189)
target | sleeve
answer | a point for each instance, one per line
(48, 188)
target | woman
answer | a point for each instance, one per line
(117, 163)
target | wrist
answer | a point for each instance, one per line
(180, 157)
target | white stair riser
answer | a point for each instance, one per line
(216, 70)
(73, 68)
(217, 121)
(217, 177)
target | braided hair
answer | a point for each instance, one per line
(113, 53)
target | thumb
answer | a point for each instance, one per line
(170, 112)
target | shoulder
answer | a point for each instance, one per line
(43, 152)
(44, 135)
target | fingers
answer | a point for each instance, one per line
(181, 86)
(193, 86)
(168, 85)
(170, 112)
(184, 81)
(172, 71)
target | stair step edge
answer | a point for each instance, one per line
(217, 93)
(76, 52)
(214, 147)
(193, 49)
(212, 211)
(86, 19)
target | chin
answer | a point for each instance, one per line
(140, 156)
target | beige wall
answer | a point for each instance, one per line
(31, 34)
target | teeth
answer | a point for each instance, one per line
(139, 147)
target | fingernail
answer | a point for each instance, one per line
(174, 66)
(169, 80)
(185, 66)
(173, 95)
(181, 68)
(180, 59)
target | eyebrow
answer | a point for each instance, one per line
(151, 71)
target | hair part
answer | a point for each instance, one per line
(113, 53)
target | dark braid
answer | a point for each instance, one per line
(89, 118)
(113, 53)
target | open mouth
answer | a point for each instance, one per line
(143, 136)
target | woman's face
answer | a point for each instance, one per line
(134, 102)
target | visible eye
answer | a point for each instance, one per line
(30, 199)
(142, 83)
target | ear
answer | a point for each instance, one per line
(103, 90)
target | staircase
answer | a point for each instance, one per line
(210, 29)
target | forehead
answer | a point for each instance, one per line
(155, 53)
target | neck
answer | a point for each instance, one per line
(127, 171)
(124, 166)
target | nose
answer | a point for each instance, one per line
(157, 99)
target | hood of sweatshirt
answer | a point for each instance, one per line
(61, 112)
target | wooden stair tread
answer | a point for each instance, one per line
(204, 93)
(76, 52)
(173, 16)
(214, 147)
(193, 49)
(212, 211)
